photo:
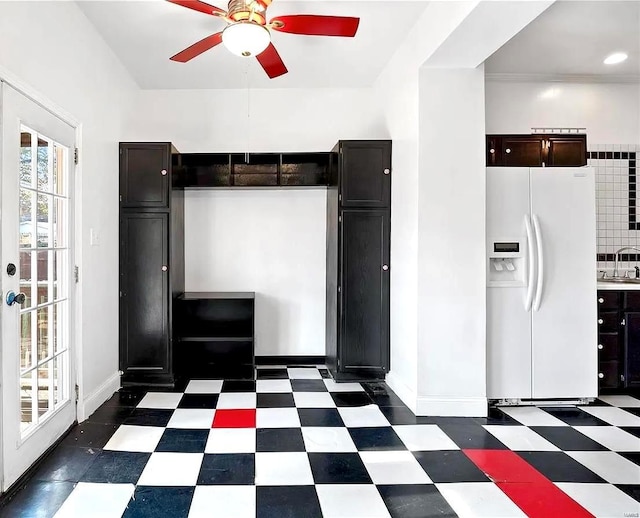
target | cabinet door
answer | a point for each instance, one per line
(144, 175)
(144, 299)
(632, 349)
(364, 281)
(522, 151)
(365, 176)
(567, 151)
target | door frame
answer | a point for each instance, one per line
(15, 82)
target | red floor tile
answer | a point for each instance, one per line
(234, 419)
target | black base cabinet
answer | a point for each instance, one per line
(358, 250)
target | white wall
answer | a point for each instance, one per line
(271, 242)
(54, 49)
(610, 112)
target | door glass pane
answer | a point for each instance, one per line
(26, 400)
(59, 221)
(26, 356)
(57, 329)
(25, 158)
(43, 276)
(43, 333)
(25, 278)
(43, 165)
(44, 387)
(42, 221)
(26, 218)
(59, 274)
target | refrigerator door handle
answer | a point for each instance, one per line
(540, 280)
(531, 264)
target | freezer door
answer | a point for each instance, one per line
(508, 321)
(564, 328)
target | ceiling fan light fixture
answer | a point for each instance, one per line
(246, 39)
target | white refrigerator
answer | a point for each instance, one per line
(541, 284)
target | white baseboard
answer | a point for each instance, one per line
(452, 407)
(402, 390)
(91, 403)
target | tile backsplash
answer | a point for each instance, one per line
(617, 207)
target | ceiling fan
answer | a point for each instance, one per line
(248, 33)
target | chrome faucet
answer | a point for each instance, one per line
(615, 268)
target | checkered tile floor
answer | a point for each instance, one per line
(296, 444)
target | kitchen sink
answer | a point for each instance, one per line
(619, 280)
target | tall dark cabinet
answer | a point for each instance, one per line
(358, 268)
(151, 261)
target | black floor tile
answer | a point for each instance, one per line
(449, 466)
(110, 414)
(66, 463)
(183, 440)
(338, 468)
(574, 416)
(238, 386)
(149, 417)
(631, 489)
(89, 435)
(557, 466)
(632, 456)
(272, 374)
(633, 430)
(116, 467)
(351, 398)
(284, 400)
(397, 415)
(376, 438)
(287, 502)
(155, 502)
(227, 469)
(415, 501)
(472, 436)
(39, 499)
(279, 439)
(497, 417)
(198, 401)
(634, 411)
(567, 439)
(320, 417)
(308, 386)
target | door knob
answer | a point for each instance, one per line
(13, 298)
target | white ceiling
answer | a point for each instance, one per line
(144, 34)
(572, 38)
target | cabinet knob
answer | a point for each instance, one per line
(164, 268)
(385, 267)
(600, 300)
(387, 171)
(600, 321)
(492, 151)
(600, 375)
(600, 346)
(508, 150)
(163, 172)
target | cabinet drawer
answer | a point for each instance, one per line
(608, 346)
(609, 374)
(608, 300)
(632, 300)
(608, 321)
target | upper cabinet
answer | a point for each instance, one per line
(536, 150)
(145, 175)
(365, 173)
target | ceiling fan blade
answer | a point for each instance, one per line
(196, 5)
(316, 25)
(272, 62)
(198, 48)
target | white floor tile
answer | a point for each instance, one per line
(351, 501)
(520, 438)
(609, 465)
(277, 418)
(237, 400)
(621, 401)
(96, 500)
(273, 386)
(192, 418)
(301, 373)
(135, 438)
(362, 416)
(612, 415)
(327, 439)
(166, 400)
(394, 467)
(602, 500)
(532, 416)
(424, 437)
(204, 387)
(231, 440)
(263, 367)
(171, 469)
(611, 437)
(283, 469)
(479, 500)
(313, 400)
(223, 502)
(332, 386)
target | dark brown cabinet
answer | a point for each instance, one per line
(632, 349)
(358, 268)
(536, 150)
(151, 262)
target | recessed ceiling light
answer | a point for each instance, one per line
(615, 58)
